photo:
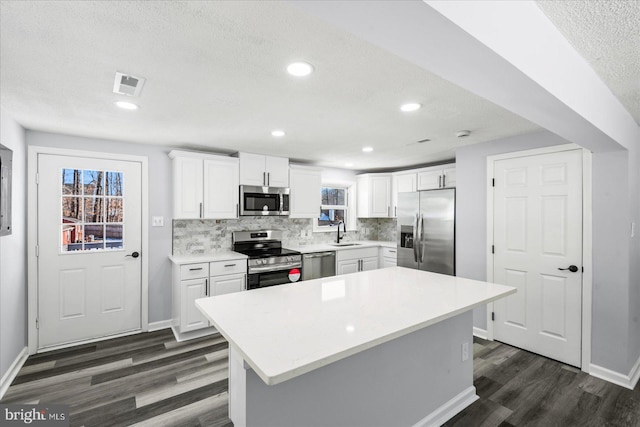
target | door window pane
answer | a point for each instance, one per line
(92, 210)
(113, 184)
(93, 183)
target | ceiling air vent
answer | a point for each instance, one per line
(126, 84)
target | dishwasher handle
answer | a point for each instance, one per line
(319, 255)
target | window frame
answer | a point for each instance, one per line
(349, 206)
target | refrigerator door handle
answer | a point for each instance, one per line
(421, 237)
(415, 239)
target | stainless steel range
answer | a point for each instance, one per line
(269, 263)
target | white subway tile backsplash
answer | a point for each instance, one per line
(203, 236)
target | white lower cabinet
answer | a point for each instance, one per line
(354, 260)
(388, 257)
(190, 317)
(192, 281)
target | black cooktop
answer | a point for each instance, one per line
(262, 249)
(266, 253)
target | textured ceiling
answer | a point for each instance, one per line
(216, 78)
(607, 34)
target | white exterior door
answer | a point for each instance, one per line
(89, 218)
(537, 237)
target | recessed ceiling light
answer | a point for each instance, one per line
(126, 105)
(277, 133)
(412, 106)
(348, 165)
(367, 149)
(300, 69)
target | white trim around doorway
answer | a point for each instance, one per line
(32, 232)
(587, 238)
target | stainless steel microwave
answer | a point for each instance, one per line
(264, 201)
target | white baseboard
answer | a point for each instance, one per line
(163, 324)
(480, 333)
(13, 370)
(627, 381)
(450, 409)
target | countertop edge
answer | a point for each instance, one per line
(222, 256)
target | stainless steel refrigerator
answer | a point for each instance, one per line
(426, 230)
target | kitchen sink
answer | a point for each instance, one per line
(345, 244)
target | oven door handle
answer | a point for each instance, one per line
(271, 268)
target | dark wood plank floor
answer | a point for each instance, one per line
(151, 380)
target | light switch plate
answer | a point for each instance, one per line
(157, 221)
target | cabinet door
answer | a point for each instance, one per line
(405, 183)
(370, 263)
(277, 169)
(190, 317)
(306, 184)
(348, 266)
(429, 180)
(388, 262)
(187, 187)
(252, 170)
(221, 285)
(449, 177)
(380, 196)
(221, 188)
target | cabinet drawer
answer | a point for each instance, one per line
(389, 252)
(194, 271)
(228, 267)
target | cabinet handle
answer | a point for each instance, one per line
(237, 210)
(392, 252)
(195, 269)
(264, 178)
(395, 211)
(230, 265)
(439, 181)
(444, 180)
(388, 210)
(268, 178)
(206, 284)
(200, 209)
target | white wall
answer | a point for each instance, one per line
(160, 202)
(616, 303)
(13, 255)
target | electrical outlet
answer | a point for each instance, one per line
(465, 351)
(157, 221)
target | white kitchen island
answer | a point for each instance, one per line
(376, 348)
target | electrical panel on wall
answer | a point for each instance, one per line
(6, 159)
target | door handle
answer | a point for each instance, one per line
(133, 255)
(571, 268)
(421, 238)
(415, 239)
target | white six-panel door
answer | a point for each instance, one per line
(537, 236)
(89, 225)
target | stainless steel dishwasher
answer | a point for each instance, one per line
(318, 264)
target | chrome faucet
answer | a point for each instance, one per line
(344, 228)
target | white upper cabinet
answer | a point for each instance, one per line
(437, 177)
(259, 170)
(402, 182)
(204, 186)
(374, 196)
(305, 186)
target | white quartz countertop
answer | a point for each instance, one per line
(288, 330)
(216, 256)
(322, 247)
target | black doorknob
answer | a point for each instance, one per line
(572, 268)
(134, 254)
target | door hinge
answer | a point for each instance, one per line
(493, 249)
(37, 251)
(583, 269)
(493, 316)
(37, 323)
(493, 182)
(37, 178)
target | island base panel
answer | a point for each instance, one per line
(418, 379)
